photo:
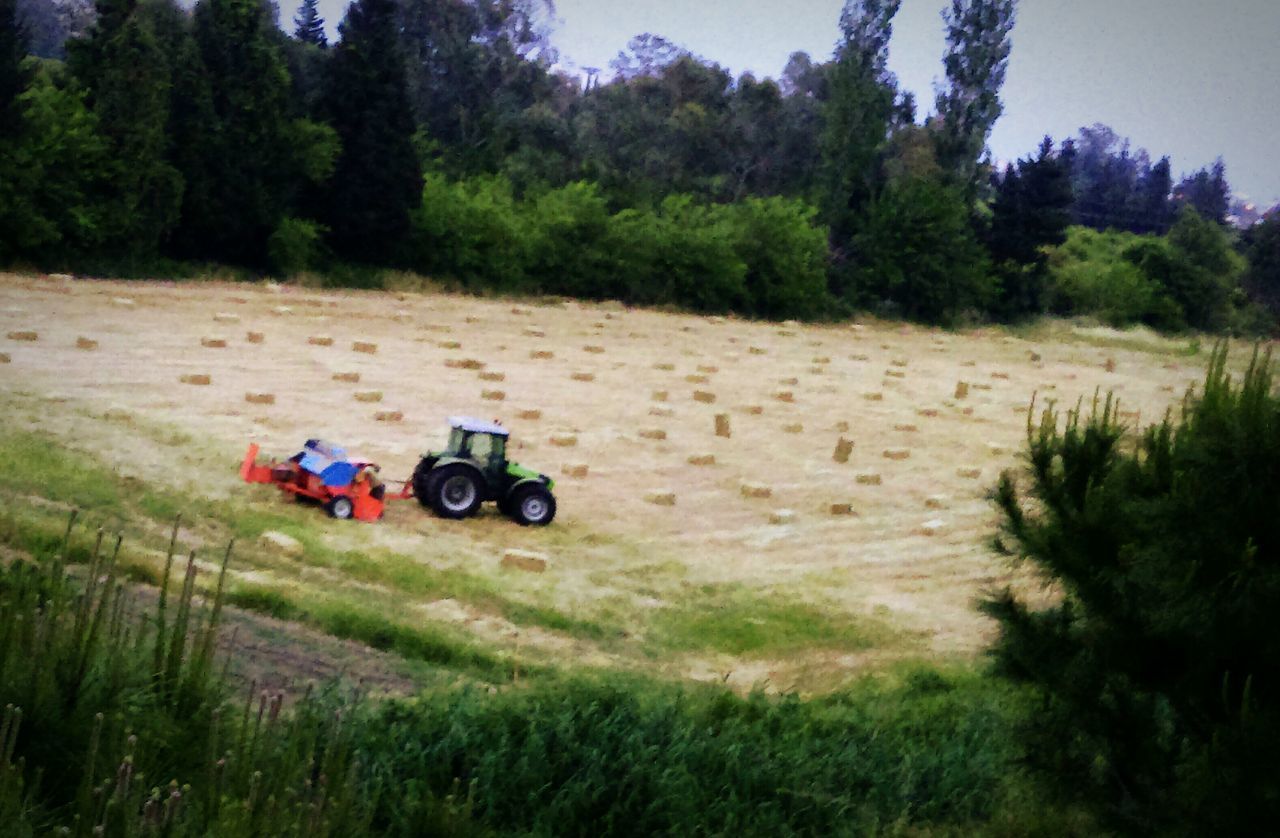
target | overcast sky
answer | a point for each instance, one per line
(1193, 79)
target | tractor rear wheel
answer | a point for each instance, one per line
(422, 489)
(340, 508)
(455, 491)
(532, 506)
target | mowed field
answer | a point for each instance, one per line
(764, 560)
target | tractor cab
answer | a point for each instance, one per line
(474, 468)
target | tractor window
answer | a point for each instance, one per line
(481, 445)
(456, 439)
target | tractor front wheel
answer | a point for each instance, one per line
(455, 491)
(340, 508)
(532, 506)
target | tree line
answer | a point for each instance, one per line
(439, 136)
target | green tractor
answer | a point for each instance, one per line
(474, 468)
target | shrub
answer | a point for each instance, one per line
(1096, 273)
(294, 246)
(785, 253)
(1156, 660)
(469, 231)
(916, 253)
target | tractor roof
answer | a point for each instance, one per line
(477, 426)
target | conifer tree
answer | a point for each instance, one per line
(309, 26)
(377, 179)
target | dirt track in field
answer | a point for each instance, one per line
(914, 549)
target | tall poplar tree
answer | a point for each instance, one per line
(977, 57)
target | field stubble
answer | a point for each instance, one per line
(880, 558)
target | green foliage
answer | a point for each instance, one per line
(762, 257)
(916, 254)
(15, 74)
(376, 181)
(122, 65)
(1204, 271)
(295, 246)
(1156, 658)
(1092, 274)
(629, 757)
(978, 47)
(1262, 279)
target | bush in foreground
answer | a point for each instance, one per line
(1156, 663)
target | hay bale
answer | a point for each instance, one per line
(753, 410)
(867, 478)
(542, 354)
(842, 427)
(4, 358)
(583, 376)
(320, 340)
(873, 397)
(722, 425)
(660, 497)
(653, 433)
(197, 379)
(122, 302)
(782, 516)
(894, 374)
(531, 332)
(281, 311)
(493, 376)
(789, 382)
(1110, 365)
(524, 560)
(563, 440)
(928, 412)
(696, 378)
(935, 502)
(785, 396)
(817, 370)
(529, 414)
(906, 428)
(841, 509)
(756, 350)
(755, 490)
(520, 311)
(704, 397)
(977, 386)
(1004, 376)
(255, 337)
(86, 344)
(213, 343)
(822, 359)
(463, 364)
(659, 395)
(493, 395)
(594, 350)
(574, 470)
(932, 528)
(707, 368)
(793, 428)
(226, 317)
(701, 459)
(844, 448)
(898, 362)
(27, 337)
(365, 347)
(995, 447)
(665, 412)
(859, 357)
(449, 344)
(897, 453)
(969, 473)
(388, 416)
(962, 390)
(664, 367)
(260, 398)
(369, 396)
(350, 377)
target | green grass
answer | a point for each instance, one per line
(738, 621)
